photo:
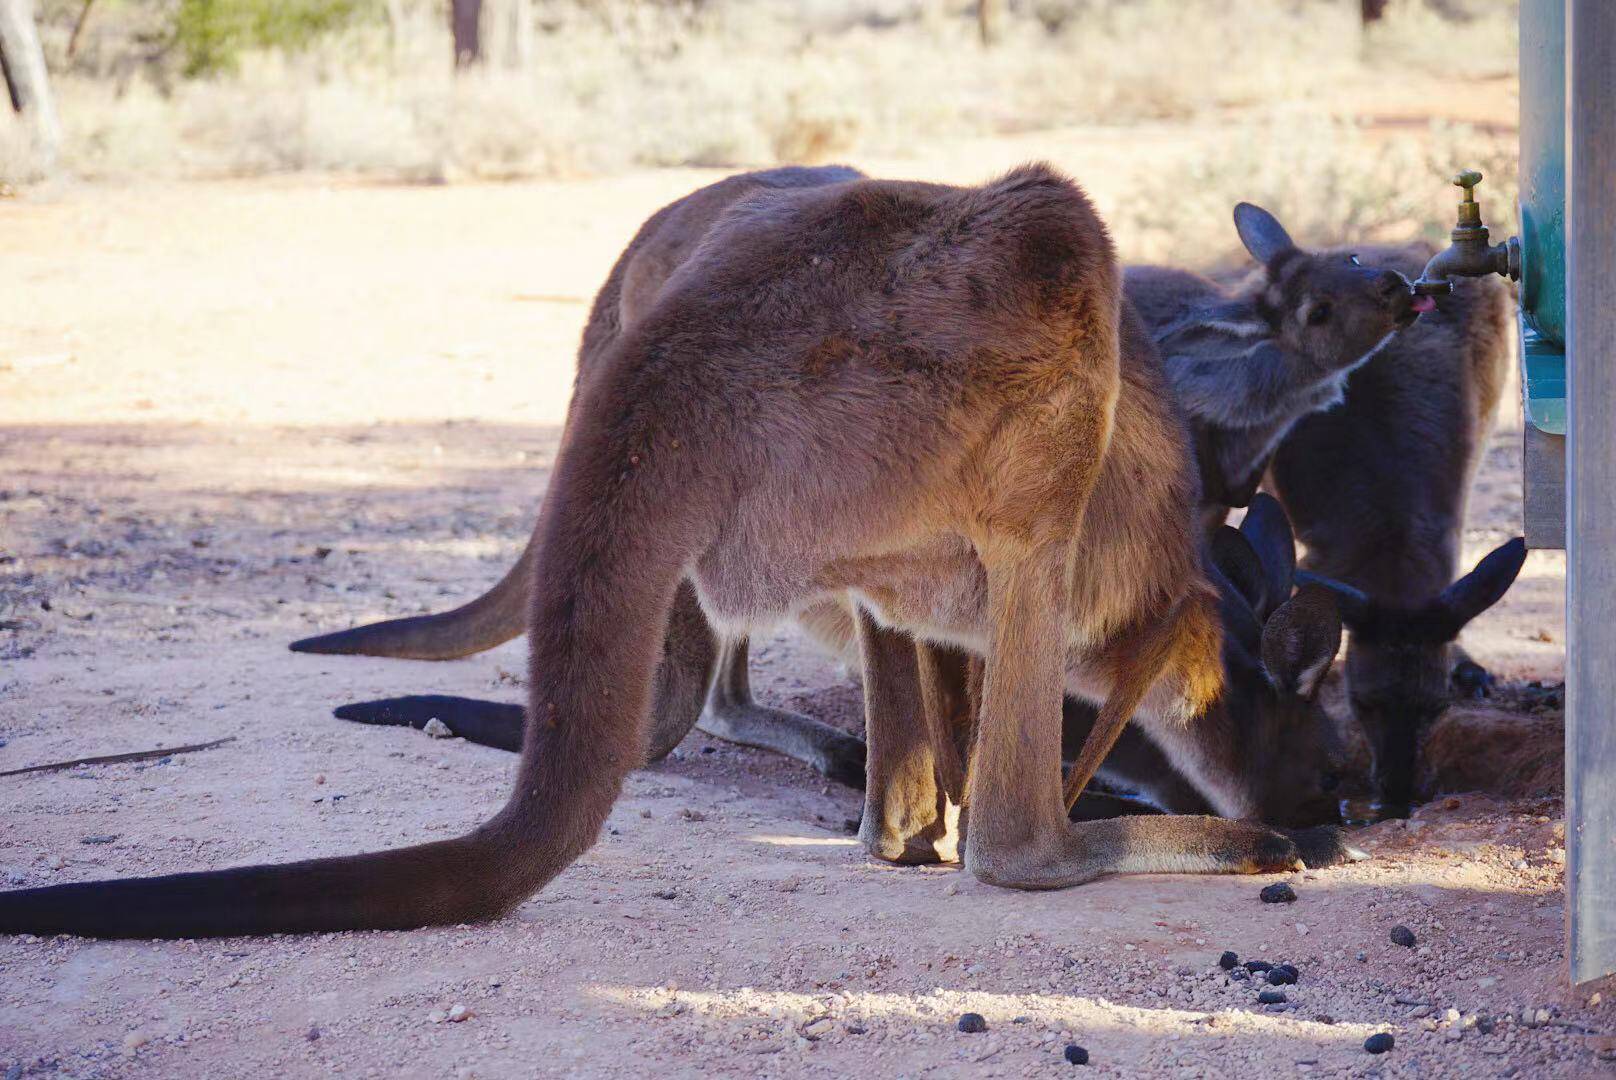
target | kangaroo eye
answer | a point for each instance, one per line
(1318, 314)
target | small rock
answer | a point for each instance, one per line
(645, 813)
(1283, 975)
(1022, 1020)
(457, 1013)
(1402, 935)
(1271, 997)
(1239, 974)
(1379, 1043)
(1256, 967)
(690, 814)
(1227, 961)
(103, 838)
(1420, 1011)
(1485, 1024)
(438, 729)
(972, 1023)
(951, 889)
(665, 894)
(135, 1040)
(1278, 893)
(1363, 958)
(313, 1034)
(1076, 1054)
(815, 1029)
(437, 1016)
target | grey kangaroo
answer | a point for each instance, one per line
(1377, 489)
(1244, 371)
(936, 398)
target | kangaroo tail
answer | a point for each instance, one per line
(494, 618)
(611, 553)
(486, 723)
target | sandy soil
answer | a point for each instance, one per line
(222, 426)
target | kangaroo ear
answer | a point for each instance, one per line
(1233, 555)
(1485, 585)
(1262, 233)
(1300, 640)
(1237, 319)
(1353, 604)
(1268, 531)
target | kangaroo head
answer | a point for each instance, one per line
(1397, 668)
(1278, 647)
(1324, 306)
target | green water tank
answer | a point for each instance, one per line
(1543, 286)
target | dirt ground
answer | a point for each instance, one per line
(232, 414)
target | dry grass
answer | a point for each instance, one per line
(726, 83)
(1330, 181)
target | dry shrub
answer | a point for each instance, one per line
(1329, 181)
(729, 83)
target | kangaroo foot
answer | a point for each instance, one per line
(836, 754)
(1164, 844)
(1325, 845)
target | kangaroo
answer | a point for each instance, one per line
(1377, 489)
(1264, 749)
(933, 397)
(1245, 364)
(1248, 363)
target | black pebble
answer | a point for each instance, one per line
(1256, 966)
(1076, 1054)
(1271, 997)
(1283, 975)
(1402, 935)
(1379, 1044)
(1239, 974)
(1486, 1024)
(1278, 893)
(1228, 960)
(972, 1023)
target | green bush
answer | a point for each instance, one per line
(211, 34)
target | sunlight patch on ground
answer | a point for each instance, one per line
(943, 1007)
(781, 840)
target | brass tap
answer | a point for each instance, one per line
(1469, 255)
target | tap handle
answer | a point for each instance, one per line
(1468, 179)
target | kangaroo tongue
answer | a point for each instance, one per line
(1423, 304)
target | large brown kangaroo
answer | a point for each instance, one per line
(934, 397)
(1246, 365)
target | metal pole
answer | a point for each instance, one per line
(1591, 487)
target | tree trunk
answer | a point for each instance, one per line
(23, 63)
(465, 22)
(990, 20)
(510, 33)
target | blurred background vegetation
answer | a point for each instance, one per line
(442, 90)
